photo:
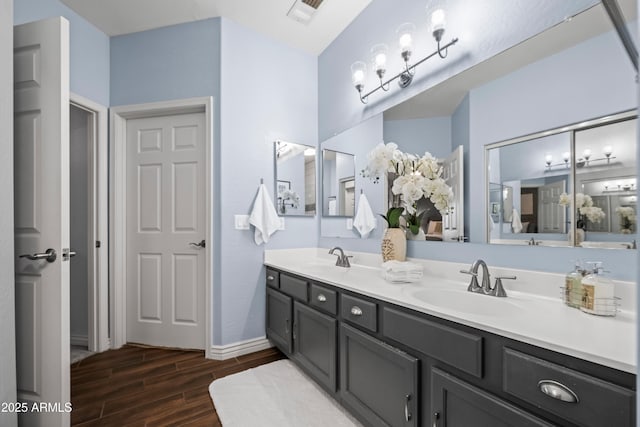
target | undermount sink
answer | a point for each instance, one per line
(460, 300)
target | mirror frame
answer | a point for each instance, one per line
(275, 180)
(587, 124)
(322, 214)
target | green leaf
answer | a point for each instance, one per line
(415, 228)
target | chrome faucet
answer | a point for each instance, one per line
(486, 289)
(343, 260)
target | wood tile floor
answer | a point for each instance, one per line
(144, 386)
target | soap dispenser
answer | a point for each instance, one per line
(598, 292)
(573, 286)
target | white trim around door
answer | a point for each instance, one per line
(118, 209)
(98, 233)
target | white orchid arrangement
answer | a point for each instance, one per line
(584, 204)
(627, 216)
(416, 177)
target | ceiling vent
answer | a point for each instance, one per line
(303, 10)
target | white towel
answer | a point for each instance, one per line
(401, 272)
(333, 207)
(364, 221)
(263, 216)
(516, 225)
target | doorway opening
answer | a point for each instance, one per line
(88, 287)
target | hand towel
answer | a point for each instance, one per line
(365, 220)
(401, 272)
(333, 207)
(263, 216)
(516, 225)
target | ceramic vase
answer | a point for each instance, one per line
(394, 245)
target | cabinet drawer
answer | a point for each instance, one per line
(359, 312)
(273, 278)
(591, 401)
(297, 288)
(456, 348)
(324, 298)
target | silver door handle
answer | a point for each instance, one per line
(202, 244)
(322, 298)
(50, 255)
(558, 391)
(356, 311)
(407, 414)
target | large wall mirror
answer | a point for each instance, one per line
(531, 195)
(338, 184)
(295, 186)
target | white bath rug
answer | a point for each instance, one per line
(277, 394)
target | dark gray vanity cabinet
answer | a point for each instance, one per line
(278, 321)
(315, 344)
(393, 366)
(456, 403)
(377, 381)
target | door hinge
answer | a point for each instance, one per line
(98, 243)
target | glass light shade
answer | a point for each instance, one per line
(358, 71)
(548, 159)
(438, 20)
(566, 156)
(607, 150)
(405, 37)
(379, 58)
(587, 153)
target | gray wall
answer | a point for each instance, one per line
(7, 309)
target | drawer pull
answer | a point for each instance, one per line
(436, 417)
(270, 278)
(407, 414)
(356, 311)
(558, 391)
(321, 298)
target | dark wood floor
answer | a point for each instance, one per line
(142, 386)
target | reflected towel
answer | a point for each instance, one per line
(263, 216)
(364, 221)
(333, 207)
(516, 225)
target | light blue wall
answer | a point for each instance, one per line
(556, 91)
(419, 135)
(88, 50)
(7, 256)
(180, 61)
(268, 92)
(484, 28)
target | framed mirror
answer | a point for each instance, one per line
(295, 186)
(338, 184)
(531, 197)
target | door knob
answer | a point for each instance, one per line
(201, 244)
(50, 255)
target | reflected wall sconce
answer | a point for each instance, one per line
(548, 160)
(379, 52)
(584, 161)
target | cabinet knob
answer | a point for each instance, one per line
(356, 311)
(321, 298)
(558, 391)
(270, 278)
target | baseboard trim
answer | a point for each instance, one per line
(81, 340)
(229, 351)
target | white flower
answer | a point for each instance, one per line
(627, 212)
(593, 213)
(288, 195)
(565, 199)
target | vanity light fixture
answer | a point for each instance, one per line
(584, 161)
(548, 161)
(405, 34)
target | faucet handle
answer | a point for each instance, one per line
(469, 272)
(473, 286)
(498, 289)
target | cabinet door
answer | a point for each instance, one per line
(378, 382)
(455, 403)
(279, 320)
(315, 344)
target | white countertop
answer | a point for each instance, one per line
(533, 311)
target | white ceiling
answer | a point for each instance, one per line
(269, 17)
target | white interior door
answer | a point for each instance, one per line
(453, 174)
(166, 230)
(551, 215)
(41, 163)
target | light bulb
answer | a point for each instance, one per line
(405, 39)
(358, 70)
(548, 159)
(437, 20)
(566, 156)
(587, 153)
(379, 55)
(607, 150)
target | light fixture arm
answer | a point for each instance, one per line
(409, 69)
